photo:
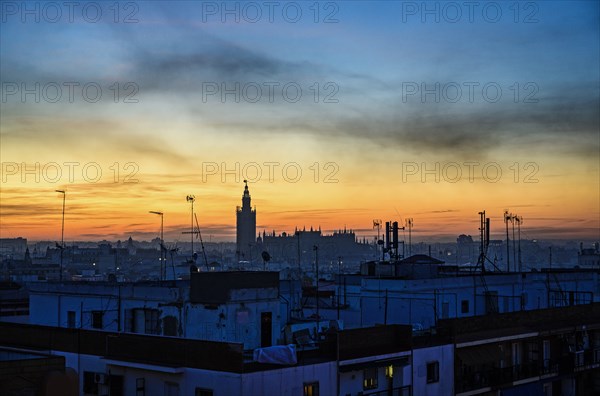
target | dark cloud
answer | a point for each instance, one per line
(184, 56)
(108, 136)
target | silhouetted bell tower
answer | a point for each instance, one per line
(246, 227)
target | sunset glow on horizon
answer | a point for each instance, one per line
(375, 116)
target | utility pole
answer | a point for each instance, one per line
(316, 249)
(116, 267)
(514, 247)
(338, 285)
(162, 241)
(409, 225)
(62, 233)
(386, 308)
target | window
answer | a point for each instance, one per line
(445, 310)
(464, 306)
(533, 351)
(311, 389)
(71, 319)
(516, 353)
(115, 385)
(140, 387)
(97, 319)
(142, 320)
(433, 372)
(152, 322)
(171, 389)
(546, 353)
(90, 384)
(170, 326)
(370, 378)
(203, 392)
(491, 302)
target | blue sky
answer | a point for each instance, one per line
(370, 57)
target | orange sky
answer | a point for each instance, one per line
(560, 201)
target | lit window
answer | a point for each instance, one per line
(370, 378)
(311, 389)
(389, 371)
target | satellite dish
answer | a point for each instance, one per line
(266, 256)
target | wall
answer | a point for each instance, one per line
(290, 381)
(444, 354)
(237, 320)
(412, 301)
(233, 321)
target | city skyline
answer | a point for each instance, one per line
(227, 232)
(379, 119)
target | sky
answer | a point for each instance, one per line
(337, 113)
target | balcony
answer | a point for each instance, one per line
(516, 373)
(495, 377)
(550, 366)
(586, 359)
(402, 391)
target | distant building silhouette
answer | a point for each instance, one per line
(297, 248)
(246, 227)
(13, 247)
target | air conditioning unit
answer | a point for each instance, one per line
(100, 378)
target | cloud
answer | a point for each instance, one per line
(440, 211)
(102, 137)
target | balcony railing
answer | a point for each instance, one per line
(516, 373)
(495, 377)
(586, 358)
(402, 391)
(550, 366)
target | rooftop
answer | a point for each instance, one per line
(209, 355)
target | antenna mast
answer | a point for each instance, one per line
(519, 220)
(507, 218)
(199, 235)
(484, 235)
(409, 225)
(377, 224)
(191, 199)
